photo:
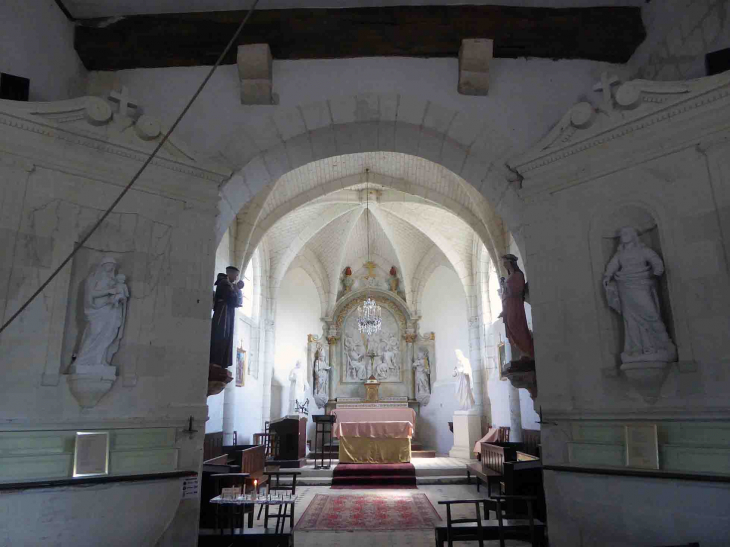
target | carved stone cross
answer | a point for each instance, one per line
(370, 266)
(124, 100)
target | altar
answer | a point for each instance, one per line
(373, 383)
(374, 435)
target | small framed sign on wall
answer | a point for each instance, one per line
(91, 454)
(642, 446)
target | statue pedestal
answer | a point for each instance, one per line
(467, 431)
(647, 378)
(88, 384)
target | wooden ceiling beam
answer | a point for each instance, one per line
(608, 34)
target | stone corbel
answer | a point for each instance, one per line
(521, 374)
(256, 75)
(475, 56)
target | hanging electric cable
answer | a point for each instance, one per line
(137, 174)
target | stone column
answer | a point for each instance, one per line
(410, 338)
(515, 414)
(332, 341)
(229, 411)
(269, 350)
(477, 364)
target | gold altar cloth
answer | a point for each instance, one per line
(369, 450)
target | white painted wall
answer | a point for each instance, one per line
(443, 312)
(526, 97)
(297, 315)
(36, 42)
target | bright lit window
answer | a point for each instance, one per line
(247, 308)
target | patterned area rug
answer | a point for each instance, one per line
(368, 512)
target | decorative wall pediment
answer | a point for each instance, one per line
(628, 110)
(92, 122)
(385, 299)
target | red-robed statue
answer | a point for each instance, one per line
(227, 298)
(513, 308)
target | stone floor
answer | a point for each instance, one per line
(405, 538)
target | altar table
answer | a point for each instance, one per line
(375, 435)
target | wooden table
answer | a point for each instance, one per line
(262, 500)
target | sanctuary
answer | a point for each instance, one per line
(275, 271)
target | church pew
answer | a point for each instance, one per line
(490, 467)
(524, 478)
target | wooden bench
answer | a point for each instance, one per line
(490, 467)
(524, 478)
(485, 529)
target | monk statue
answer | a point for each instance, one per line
(227, 298)
(631, 290)
(513, 308)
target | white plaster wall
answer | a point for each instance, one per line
(444, 313)
(679, 34)
(526, 97)
(297, 315)
(36, 42)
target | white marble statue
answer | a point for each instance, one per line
(298, 387)
(106, 296)
(422, 368)
(464, 392)
(321, 377)
(631, 290)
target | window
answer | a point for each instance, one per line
(247, 308)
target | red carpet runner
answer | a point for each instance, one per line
(384, 475)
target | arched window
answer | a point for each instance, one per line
(248, 282)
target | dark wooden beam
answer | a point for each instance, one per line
(144, 41)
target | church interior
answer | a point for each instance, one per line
(359, 272)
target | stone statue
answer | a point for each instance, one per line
(631, 290)
(423, 377)
(106, 297)
(513, 308)
(227, 298)
(464, 392)
(321, 377)
(298, 387)
(393, 280)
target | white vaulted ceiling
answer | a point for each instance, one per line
(416, 213)
(106, 8)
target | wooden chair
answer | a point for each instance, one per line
(503, 434)
(275, 485)
(455, 528)
(234, 513)
(501, 528)
(518, 527)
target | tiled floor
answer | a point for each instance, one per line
(405, 538)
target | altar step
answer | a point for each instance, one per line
(382, 475)
(417, 451)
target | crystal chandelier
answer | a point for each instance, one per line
(368, 313)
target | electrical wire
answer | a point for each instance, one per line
(138, 173)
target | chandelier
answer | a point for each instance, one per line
(368, 313)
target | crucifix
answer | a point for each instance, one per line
(125, 101)
(372, 356)
(371, 267)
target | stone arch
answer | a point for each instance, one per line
(472, 149)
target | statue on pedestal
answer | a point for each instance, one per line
(347, 280)
(464, 392)
(423, 377)
(298, 388)
(227, 298)
(321, 377)
(631, 290)
(106, 296)
(513, 291)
